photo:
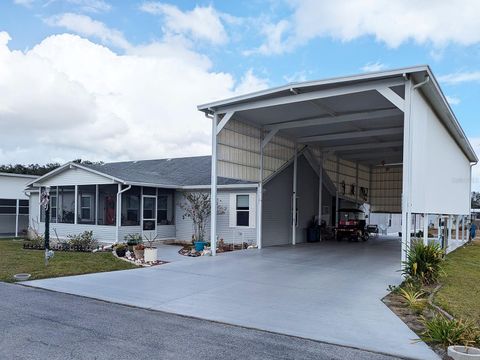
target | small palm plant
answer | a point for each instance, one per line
(424, 262)
(414, 298)
(448, 332)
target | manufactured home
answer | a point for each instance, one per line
(138, 197)
(283, 158)
(14, 204)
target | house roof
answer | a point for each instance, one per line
(173, 173)
(187, 171)
(19, 175)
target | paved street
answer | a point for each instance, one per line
(40, 324)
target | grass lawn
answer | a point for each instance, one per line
(460, 293)
(14, 259)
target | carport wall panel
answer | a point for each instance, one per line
(440, 170)
(184, 225)
(238, 152)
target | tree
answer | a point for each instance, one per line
(39, 170)
(197, 207)
(475, 200)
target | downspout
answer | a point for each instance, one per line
(119, 211)
(427, 79)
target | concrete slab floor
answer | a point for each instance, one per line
(328, 291)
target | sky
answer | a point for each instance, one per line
(109, 80)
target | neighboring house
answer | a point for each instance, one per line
(148, 194)
(14, 204)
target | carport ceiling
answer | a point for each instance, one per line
(359, 126)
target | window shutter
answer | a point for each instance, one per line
(232, 210)
(252, 207)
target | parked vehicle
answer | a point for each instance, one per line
(351, 225)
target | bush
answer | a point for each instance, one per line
(133, 239)
(83, 241)
(447, 332)
(414, 297)
(424, 262)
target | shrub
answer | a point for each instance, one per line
(424, 262)
(414, 297)
(447, 332)
(133, 239)
(83, 241)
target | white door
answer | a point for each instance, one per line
(149, 216)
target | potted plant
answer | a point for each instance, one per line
(150, 252)
(132, 240)
(139, 250)
(121, 250)
(197, 207)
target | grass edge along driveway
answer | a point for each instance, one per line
(14, 259)
(460, 291)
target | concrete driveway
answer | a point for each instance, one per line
(328, 292)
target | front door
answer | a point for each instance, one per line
(149, 216)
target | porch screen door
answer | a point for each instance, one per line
(149, 215)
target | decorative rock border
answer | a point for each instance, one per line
(139, 262)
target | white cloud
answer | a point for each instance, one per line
(460, 77)
(86, 26)
(453, 100)
(202, 23)
(70, 98)
(26, 3)
(373, 66)
(92, 5)
(393, 23)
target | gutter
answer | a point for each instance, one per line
(119, 212)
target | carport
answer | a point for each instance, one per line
(388, 139)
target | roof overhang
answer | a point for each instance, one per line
(354, 112)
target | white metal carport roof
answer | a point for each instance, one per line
(352, 111)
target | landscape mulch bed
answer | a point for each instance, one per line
(398, 305)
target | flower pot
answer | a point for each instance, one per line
(121, 252)
(150, 254)
(459, 352)
(138, 254)
(199, 245)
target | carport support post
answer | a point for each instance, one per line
(17, 207)
(259, 197)
(294, 198)
(213, 189)
(450, 225)
(456, 227)
(407, 174)
(425, 229)
(320, 188)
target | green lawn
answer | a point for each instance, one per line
(14, 259)
(460, 293)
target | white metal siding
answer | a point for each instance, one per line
(76, 176)
(277, 204)
(103, 233)
(12, 187)
(441, 171)
(184, 227)
(166, 232)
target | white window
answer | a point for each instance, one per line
(86, 205)
(242, 210)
